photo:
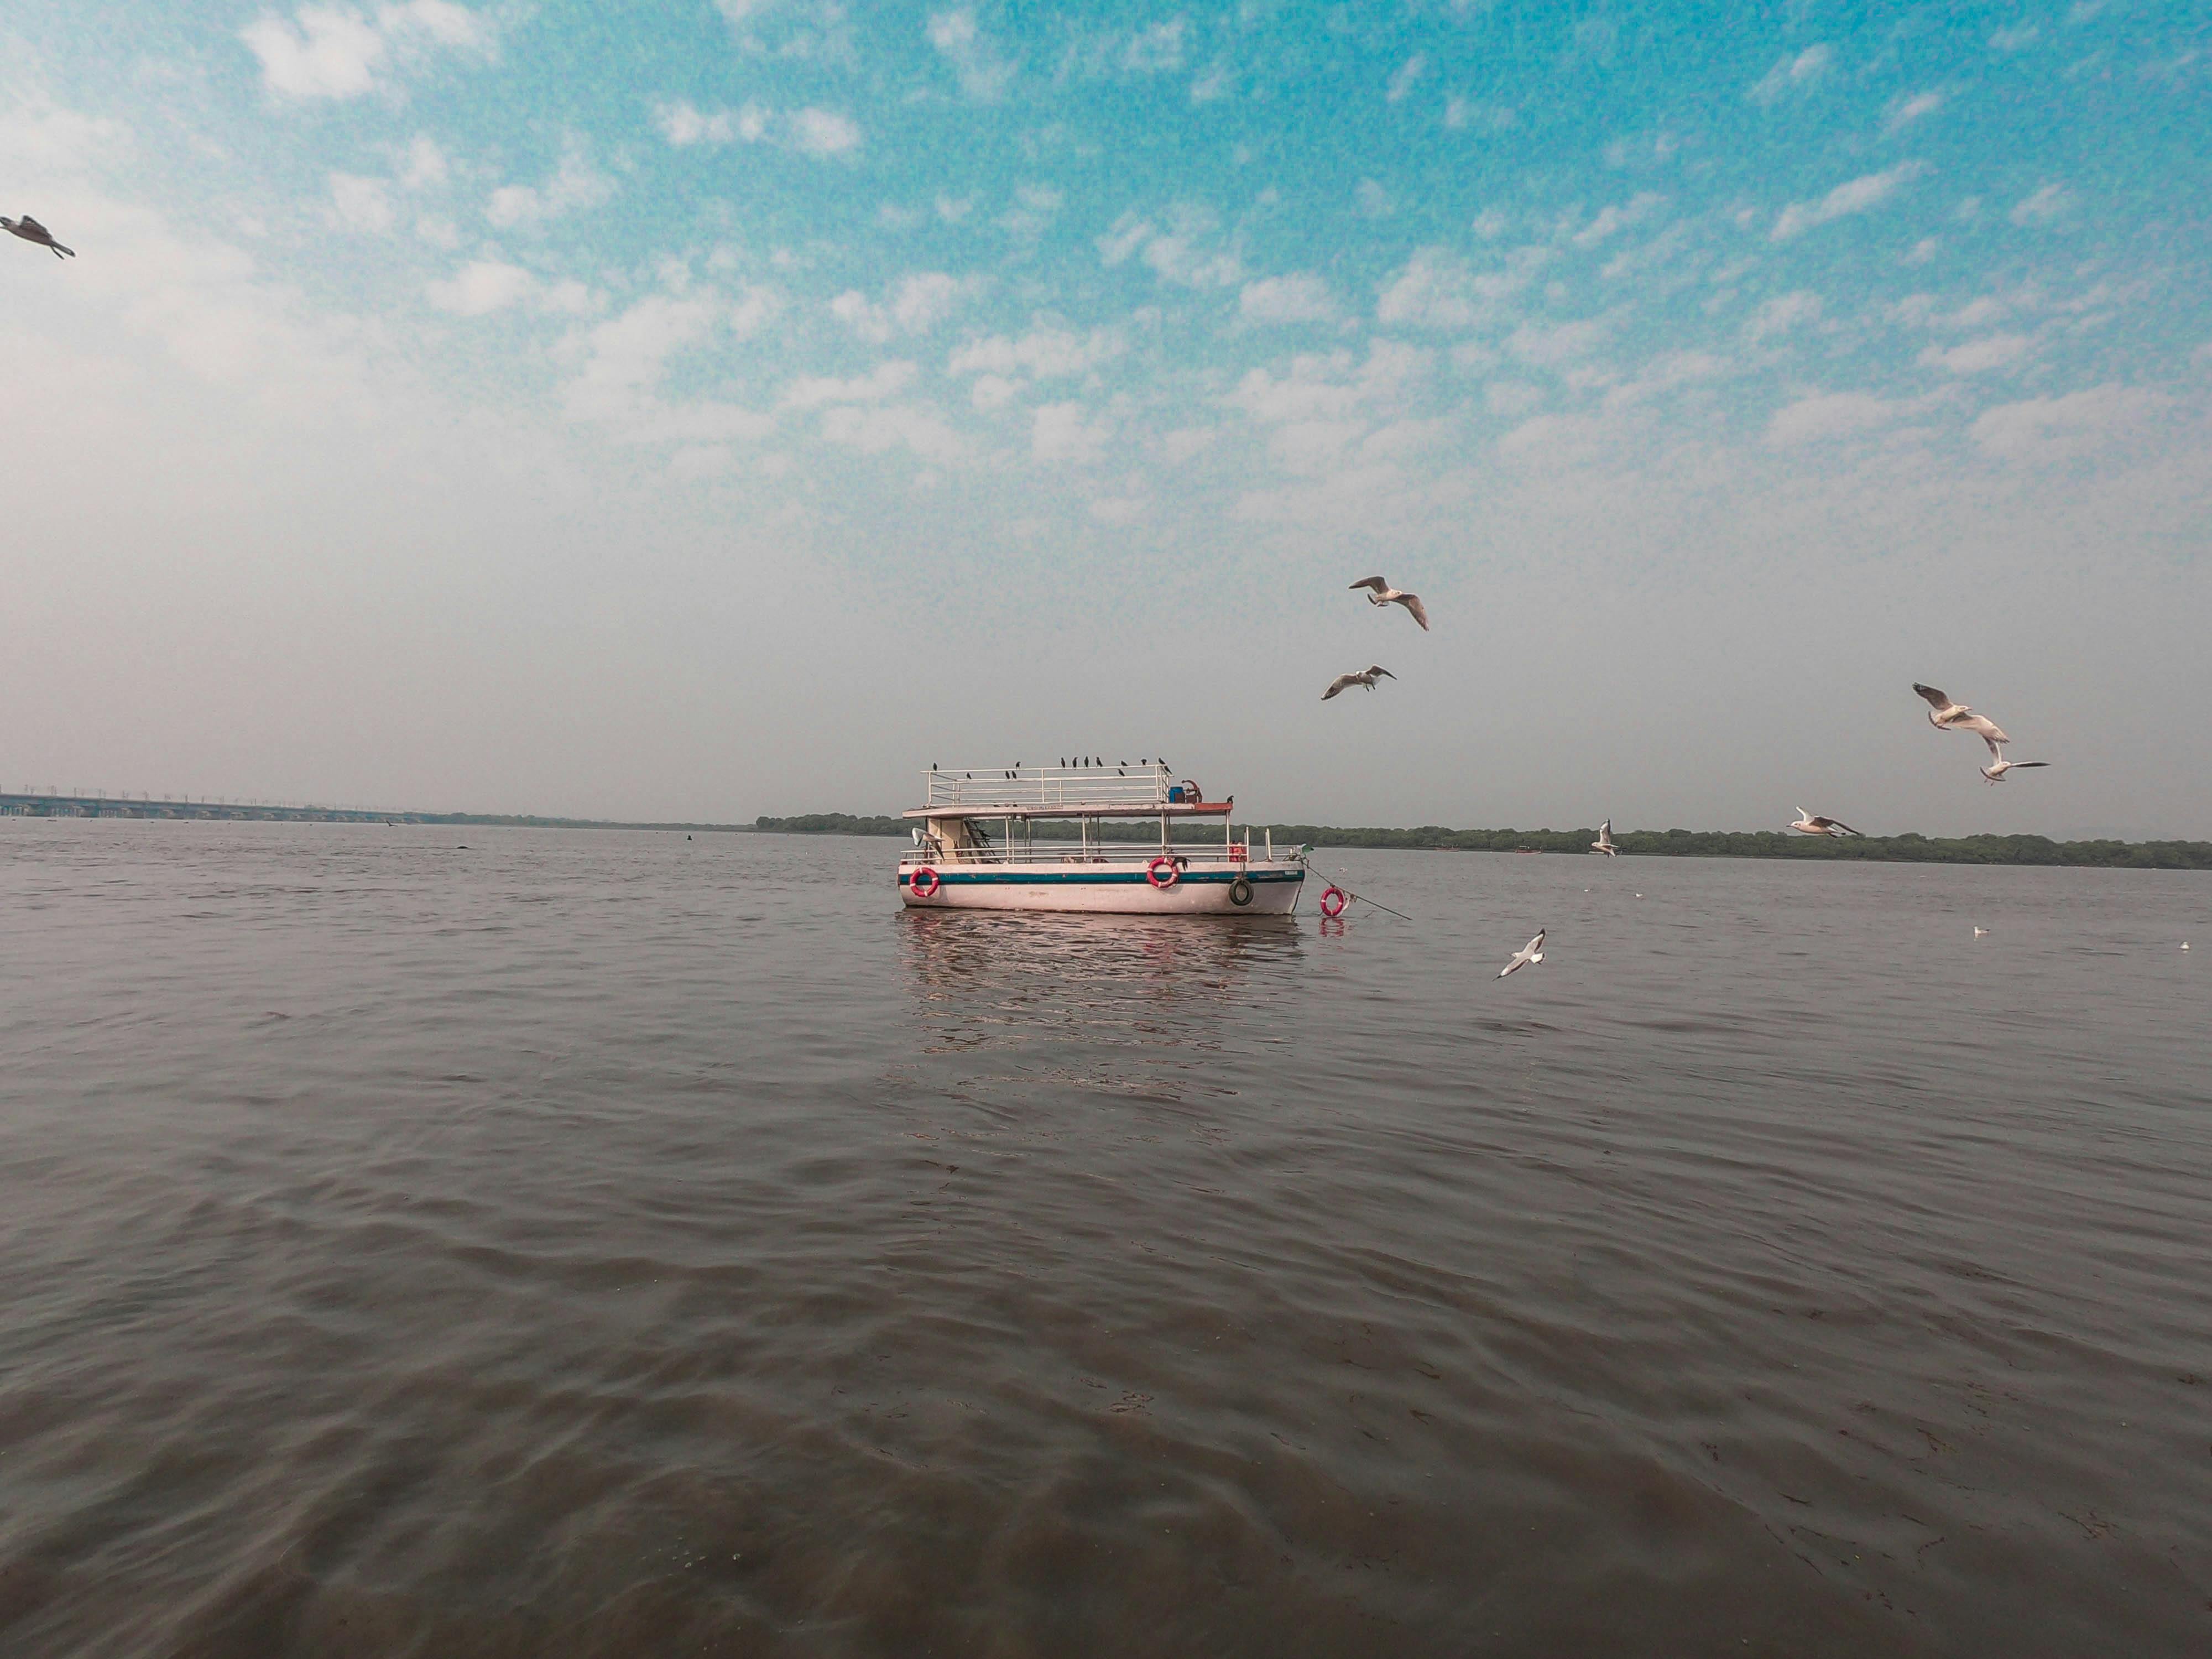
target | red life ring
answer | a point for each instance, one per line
(924, 883)
(1333, 901)
(1162, 873)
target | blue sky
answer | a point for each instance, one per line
(708, 409)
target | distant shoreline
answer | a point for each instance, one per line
(1908, 849)
(1648, 843)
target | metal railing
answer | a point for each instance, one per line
(1126, 853)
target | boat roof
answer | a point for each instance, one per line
(1147, 790)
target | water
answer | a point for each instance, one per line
(597, 1243)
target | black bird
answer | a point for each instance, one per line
(32, 231)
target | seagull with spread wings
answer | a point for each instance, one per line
(1532, 952)
(1604, 842)
(32, 231)
(1384, 593)
(1945, 715)
(1366, 677)
(1997, 770)
(1815, 826)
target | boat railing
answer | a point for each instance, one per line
(1136, 853)
(1052, 789)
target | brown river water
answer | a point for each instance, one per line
(608, 1243)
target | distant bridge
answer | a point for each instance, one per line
(32, 804)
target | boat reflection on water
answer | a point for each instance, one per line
(1076, 988)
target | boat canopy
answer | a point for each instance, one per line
(1147, 790)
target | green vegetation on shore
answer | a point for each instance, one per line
(1642, 843)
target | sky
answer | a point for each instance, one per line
(693, 409)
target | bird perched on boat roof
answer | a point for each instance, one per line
(1812, 826)
(1367, 678)
(1946, 715)
(1386, 594)
(32, 231)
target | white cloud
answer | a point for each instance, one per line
(1562, 343)
(483, 287)
(1906, 110)
(1436, 288)
(1119, 509)
(1832, 415)
(1185, 443)
(1512, 398)
(992, 392)
(885, 381)
(875, 428)
(1857, 196)
(425, 166)
(2013, 39)
(1665, 374)
(915, 304)
(1782, 313)
(1402, 79)
(1795, 75)
(1374, 201)
(1180, 254)
(683, 123)
(1155, 50)
(359, 205)
(1460, 114)
(824, 132)
(1043, 354)
(2043, 429)
(1979, 357)
(983, 75)
(575, 184)
(1035, 206)
(2046, 206)
(1335, 386)
(628, 358)
(1214, 85)
(1062, 432)
(818, 132)
(1299, 299)
(1610, 218)
(1123, 238)
(340, 52)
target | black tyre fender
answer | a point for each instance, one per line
(1240, 891)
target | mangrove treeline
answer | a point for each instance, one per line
(1634, 843)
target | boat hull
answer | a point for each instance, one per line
(1206, 888)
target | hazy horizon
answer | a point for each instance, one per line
(697, 412)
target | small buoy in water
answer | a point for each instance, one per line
(1981, 932)
(2184, 944)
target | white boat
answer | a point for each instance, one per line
(976, 847)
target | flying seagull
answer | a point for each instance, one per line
(1812, 826)
(1604, 842)
(1998, 769)
(1386, 594)
(1532, 952)
(1366, 677)
(32, 231)
(1946, 715)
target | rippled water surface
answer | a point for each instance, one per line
(572, 1244)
